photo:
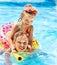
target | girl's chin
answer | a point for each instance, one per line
(26, 23)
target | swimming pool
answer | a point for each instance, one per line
(45, 31)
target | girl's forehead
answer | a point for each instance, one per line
(28, 17)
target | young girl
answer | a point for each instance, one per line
(25, 26)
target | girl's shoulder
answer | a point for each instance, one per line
(17, 23)
(16, 26)
(30, 27)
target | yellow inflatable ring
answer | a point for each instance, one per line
(18, 57)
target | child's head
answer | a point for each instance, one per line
(28, 14)
(21, 41)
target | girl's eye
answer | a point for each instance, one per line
(26, 19)
(24, 42)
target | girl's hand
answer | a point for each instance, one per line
(29, 48)
(14, 51)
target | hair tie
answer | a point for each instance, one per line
(19, 20)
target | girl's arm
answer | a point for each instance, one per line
(11, 43)
(10, 35)
(14, 29)
(31, 35)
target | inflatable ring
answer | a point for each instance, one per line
(3, 42)
(35, 44)
(18, 57)
(3, 30)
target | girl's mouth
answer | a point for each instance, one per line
(26, 23)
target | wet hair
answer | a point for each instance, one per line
(19, 33)
(30, 11)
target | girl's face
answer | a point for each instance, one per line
(21, 43)
(27, 18)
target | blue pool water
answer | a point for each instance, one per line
(45, 31)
